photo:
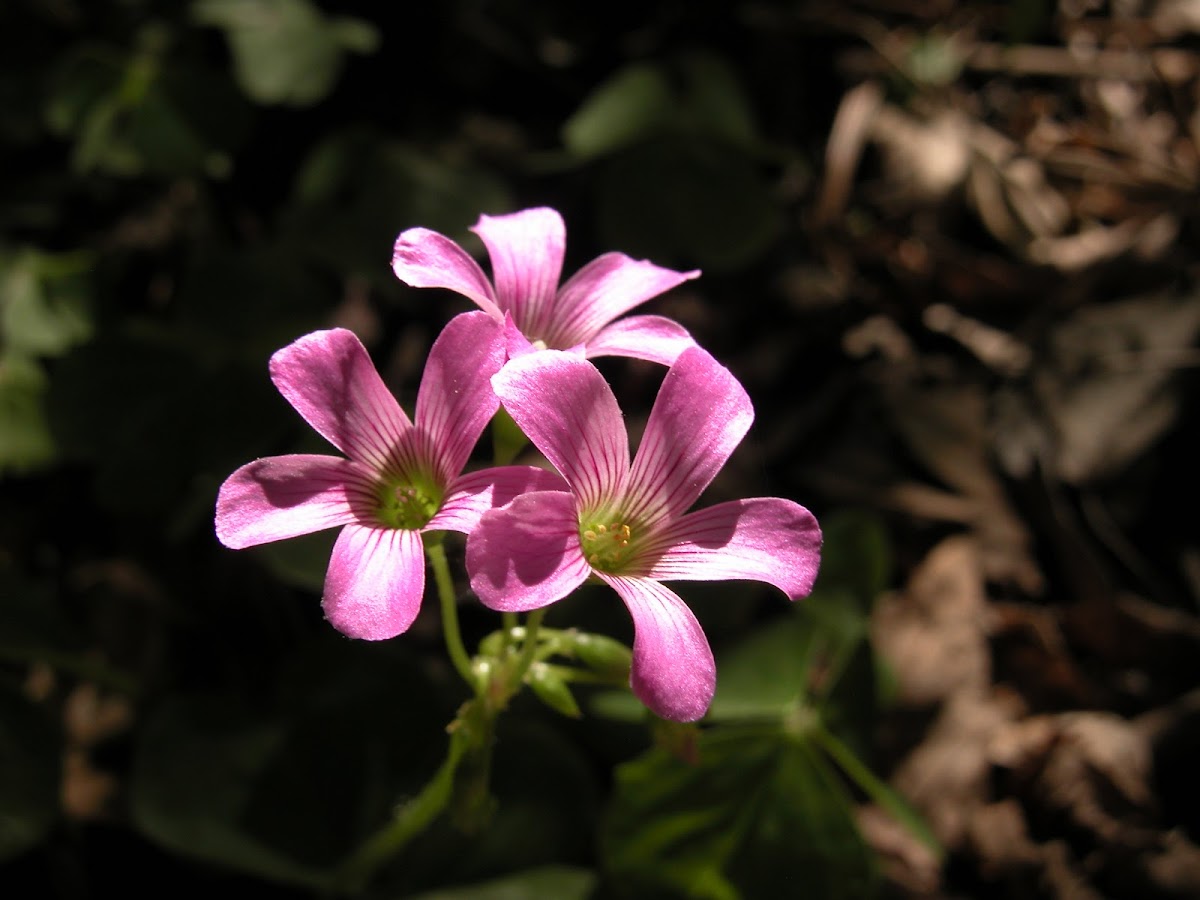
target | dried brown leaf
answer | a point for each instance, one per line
(946, 428)
(907, 863)
(933, 634)
(947, 776)
(847, 138)
(1105, 388)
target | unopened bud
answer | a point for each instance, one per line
(551, 688)
(602, 654)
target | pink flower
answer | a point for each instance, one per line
(401, 479)
(628, 525)
(526, 249)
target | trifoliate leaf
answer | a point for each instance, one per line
(285, 51)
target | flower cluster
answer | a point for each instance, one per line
(533, 536)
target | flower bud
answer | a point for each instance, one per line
(602, 654)
(552, 689)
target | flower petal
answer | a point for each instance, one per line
(516, 344)
(426, 259)
(700, 416)
(673, 669)
(330, 380)
(762, 539)
(473, 493)
(283, 497)
(455, 401)
(375, 581)
(605, 288)
(526, 555)
(526, 249)
(566, 408)
(655, 338)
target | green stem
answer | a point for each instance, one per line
(445, 588)
(529, 647)
(888, 799)
(508, 621)
(583, 676)
(412, 818)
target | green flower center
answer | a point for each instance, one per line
(606, 546)
(408, 503)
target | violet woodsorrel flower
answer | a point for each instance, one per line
(402, 478)
(628, 525)
(526, 250)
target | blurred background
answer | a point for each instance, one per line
(950, 249)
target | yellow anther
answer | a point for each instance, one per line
(606, 546)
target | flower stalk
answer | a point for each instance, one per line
(435, 551)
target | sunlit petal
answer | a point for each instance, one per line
(375, 582)
(286, 496)
(566, 408)
(526, 555)
(673, 669)
(426, 259)
(605, 288)
(329, 379)
(456, 401)
(760, 539)
(654, 338)
(526, 249)
(700, 416)
(472, 494)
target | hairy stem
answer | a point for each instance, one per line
(436, 553)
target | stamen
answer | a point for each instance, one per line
(606, 546)
(408, 504)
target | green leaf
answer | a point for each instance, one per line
(795, 660)
(287, 794)
(761, 815)
(715, 101)
(557, 882)
(193, 780)
(508, 440)
(878, 791)
(696, 94)
(935, 60)
(301, 561)
(634, 104)
(619, 706)
(357, 190)
(30, 761)
(856, 556)
(285, 51)
(765, 674)
(139, 112)
(44, 302)
(25, 439)
(839, 630)
(150, 446)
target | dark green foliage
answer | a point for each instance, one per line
(190, 186)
